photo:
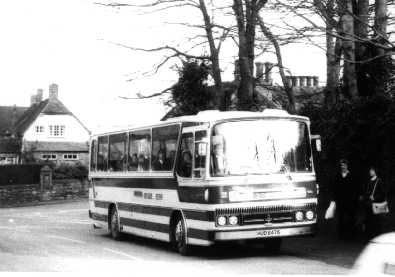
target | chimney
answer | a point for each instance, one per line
(33, 99)
(295, 81)
(315, 81)
(53, 91)
(259, 70)
(39, 95)
(289, 80)
(309, 80)
(302, 81)
(268, 72)
(13, 120)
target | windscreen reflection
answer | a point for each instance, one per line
(260, 147)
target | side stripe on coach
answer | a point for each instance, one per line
(156, 210)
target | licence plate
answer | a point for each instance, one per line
(268, 233)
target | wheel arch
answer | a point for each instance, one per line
(175, 214)
(111, 206)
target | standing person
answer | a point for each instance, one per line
(345, 193)
(373, 192)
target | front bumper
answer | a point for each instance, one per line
(267, 232)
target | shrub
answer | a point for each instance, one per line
(68, 171)
(362, 131)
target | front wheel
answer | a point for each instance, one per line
(114, 225)
(179, 235)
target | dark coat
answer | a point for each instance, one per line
(345, 192)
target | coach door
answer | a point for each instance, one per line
(191, 162)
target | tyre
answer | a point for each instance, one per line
(179, 236)
(273, 245)
(114, 225)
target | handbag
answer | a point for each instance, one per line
(379, 207)
(330, 212)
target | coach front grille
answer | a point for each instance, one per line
(266, 214)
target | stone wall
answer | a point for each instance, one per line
(14, 195)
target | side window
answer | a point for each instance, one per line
(102, 155)
(200, 154)
(164, 141)
(117, 160)
(93, 154)
(184, 168)
(139, 150)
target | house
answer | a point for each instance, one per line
(306, 89)
(45, 131)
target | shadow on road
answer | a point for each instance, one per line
(321, 248)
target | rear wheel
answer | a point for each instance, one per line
(179, 235)
(114, 225)
(273, 245)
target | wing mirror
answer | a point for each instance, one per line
(316, 142)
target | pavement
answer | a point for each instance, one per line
(60, 237)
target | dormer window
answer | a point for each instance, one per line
(39, 129)
(56, 130)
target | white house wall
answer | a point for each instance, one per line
(74, 131)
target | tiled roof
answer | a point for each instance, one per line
(9, 145)
(29, 116)
(48, 106)
(46, 146)
(6, 117)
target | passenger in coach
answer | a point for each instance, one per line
(142, 163)
(160, 163)
(133, 163)
(185, 167)
(345, 192)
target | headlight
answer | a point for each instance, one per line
(309, 215)
(233, 220)
(299, 216)
(221, 220)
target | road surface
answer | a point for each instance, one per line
(60, 237)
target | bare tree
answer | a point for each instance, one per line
(288, 89)
(213, 36)
(246, 13)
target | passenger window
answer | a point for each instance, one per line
(102, 155)
(117, 161)
(164, 141)
(93, 154)
(184, 168)
(139, 150)
(200, 154)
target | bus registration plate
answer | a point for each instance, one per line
(269, 233)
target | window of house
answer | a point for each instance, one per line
(117, 161)
(139, 150)
(56, 130)
(164, 143)
(39, 129)
(49, 156)
(102, 154)
(70, 156)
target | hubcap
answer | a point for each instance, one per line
(179, 234)
(114, 222)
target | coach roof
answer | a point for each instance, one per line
(212, 116)
(215, 115)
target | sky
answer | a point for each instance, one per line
(73, 43)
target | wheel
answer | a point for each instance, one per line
(179, 235)
(114, 225)
(273, 245)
